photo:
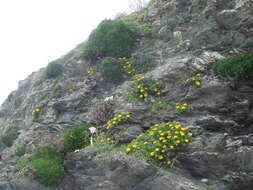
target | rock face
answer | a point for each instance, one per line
(221, 154)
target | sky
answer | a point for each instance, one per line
(35, 32)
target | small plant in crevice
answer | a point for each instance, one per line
(8, 136)
(196, 80)
(118, 119)
(20, 149)
(161, 142)
(102, 111)
(77, 137)
(183, 107)
(90, 70)
(162, 106)
(143, 88)
(36, 113)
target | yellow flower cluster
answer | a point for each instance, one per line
(118, 119)
(197, 80)
(36, 112)
(143, 87)
(107, 140)
(127, 66)
(183, 107)
(161, 142)
(90, 71)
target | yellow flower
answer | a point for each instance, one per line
(141, 90)
(119, 116)
(154, 129)
(102, 141)
(114, 122)
(154, 142)
(177, 126)
(186, 140)
(182, 133)
(145, 142)
(197, 83)
(151, 153)
(177, 107)
(134, 146)
(163, 151)
(145, 95)
(160, 157)
(157, 149)
(141, 96)
(168, 137)
(161, 138)
(175, 136)
(127, 115)
(164, 141)
(164, 146)
(139, 86)
(128, 149)
(162, 134)
(169, 162)
(183, 107)
(37, 110)
(108, 139)
(190, 134)
(184, 104)
(176, 132)
(172, 147)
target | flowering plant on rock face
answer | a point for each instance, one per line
(119, 118)
(142, 87)
(161, 142)
(183, 107)
(196, 81)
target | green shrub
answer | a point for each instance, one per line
(47, 165)
(53, 70)
(161, 142)
(9, 136)
(112, 38)
(77, 137)
(236, 67)
(112, 69)
(20, 149)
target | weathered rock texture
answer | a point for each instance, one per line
(221, 154)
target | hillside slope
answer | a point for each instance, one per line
(185, 38)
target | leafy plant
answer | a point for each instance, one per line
(162, 106)
(20, 149)
(112, 38)
(48, 165)
(9, 136)
(142, 88)
(235, 67)
(112, 69)
(53, 70)
(161, 142)
(77, 137)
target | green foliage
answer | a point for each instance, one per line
(161, 142)
(21, 164)
(199, 3)
(9, 136)
(104, 146)
(53, 70)
(112, 69)
(77, 137)
(143, 87)
(209, 188)
(236, 67)
(162, 106)
(47, 165)
(171, 24)
(20, 149)
(112, 38)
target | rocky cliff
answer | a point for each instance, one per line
(187, 37)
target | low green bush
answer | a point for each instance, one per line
(112, 69)
(9, 136)
(48, 165)
(236, 67)
(20, 149)
(53, 70)
(112, 38)
(77, 137)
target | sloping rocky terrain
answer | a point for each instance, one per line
(220, 156)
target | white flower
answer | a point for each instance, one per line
(109, 99)
(77, 150)
(92, 130)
